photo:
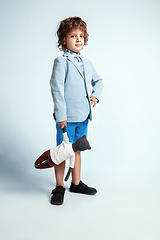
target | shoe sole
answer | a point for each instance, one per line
(56, 203)
(84, 193)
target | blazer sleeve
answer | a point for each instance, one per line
(97, 84)
(57, 89)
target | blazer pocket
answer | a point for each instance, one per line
(70, 107)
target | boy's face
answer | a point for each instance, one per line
(75, 40)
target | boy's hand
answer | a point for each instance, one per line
(93, 101)
(62, 124)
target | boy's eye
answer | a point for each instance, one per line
(73, 36)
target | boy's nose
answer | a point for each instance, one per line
(78, 39)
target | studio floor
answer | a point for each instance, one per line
(116, 212)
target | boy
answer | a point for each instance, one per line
(75, 86)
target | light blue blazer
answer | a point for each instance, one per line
(71, 88)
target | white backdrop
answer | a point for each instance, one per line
(124, 47)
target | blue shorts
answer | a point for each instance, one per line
(75, 130)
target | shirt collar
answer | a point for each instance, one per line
(73, 54)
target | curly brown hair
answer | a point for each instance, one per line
(65, 26)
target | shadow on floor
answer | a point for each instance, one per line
(17, 171)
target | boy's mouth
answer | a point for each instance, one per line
(78, 45)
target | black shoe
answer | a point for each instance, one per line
(82, 188)
(57, 195)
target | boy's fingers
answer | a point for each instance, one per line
(93, 101)
(62, 124)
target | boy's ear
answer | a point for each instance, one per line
(64, 41)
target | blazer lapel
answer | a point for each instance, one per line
(83, 75)
(84, 65)
(73, 60)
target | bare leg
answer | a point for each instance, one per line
(59, 173)
(76, 172)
